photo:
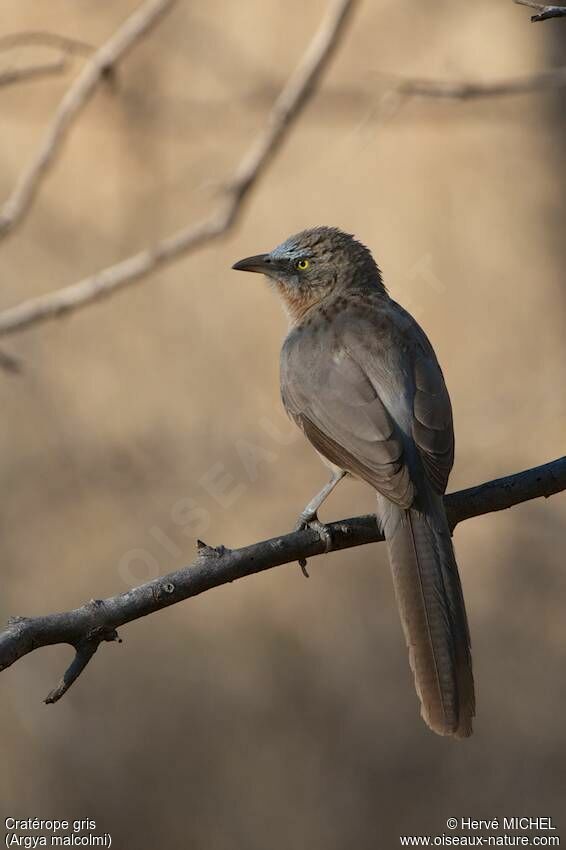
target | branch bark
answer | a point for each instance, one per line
(545, 12)
(82, 89)
(87, 627)
(287, 108)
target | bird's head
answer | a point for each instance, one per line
(313, 264)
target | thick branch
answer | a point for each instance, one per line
(82, 89)
(545, 12)
(284, 113)
(86, 627)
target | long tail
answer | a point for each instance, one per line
(431, 605)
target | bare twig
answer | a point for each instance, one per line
(41, 38)
(66, 46)
(545, 12)
(10, 364)
(33, 72)
(86, 627)
(285, 111)
(106, 57)
(554, 78)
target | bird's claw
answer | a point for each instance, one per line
(308, 520)
(311, 521)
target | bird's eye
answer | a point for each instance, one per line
(302, 265)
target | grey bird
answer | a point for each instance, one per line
(361, 380)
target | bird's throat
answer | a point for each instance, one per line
(297, 302)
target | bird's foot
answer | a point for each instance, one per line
(311, 521)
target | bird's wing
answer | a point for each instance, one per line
(400, 356)
(433, 431)
(333, 401)
(356, 385)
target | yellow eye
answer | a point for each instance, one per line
(302, 265)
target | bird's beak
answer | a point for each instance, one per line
(260, 263)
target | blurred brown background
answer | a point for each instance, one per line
(277, 712)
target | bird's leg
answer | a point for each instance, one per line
(308, 518)
(310, 511)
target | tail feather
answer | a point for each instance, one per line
(433, 616)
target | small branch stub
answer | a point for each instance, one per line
(83, 654)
